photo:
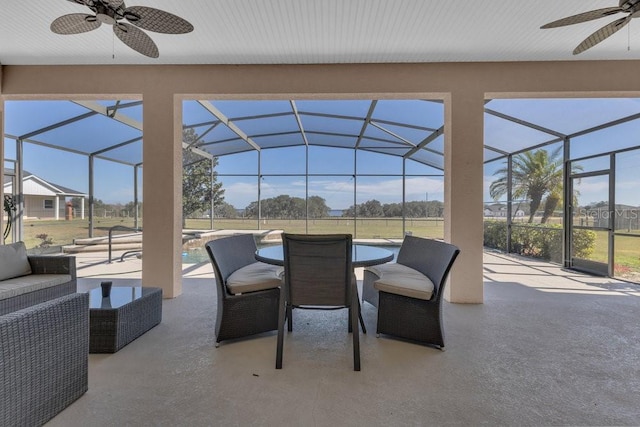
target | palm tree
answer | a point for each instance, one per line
(535, 174)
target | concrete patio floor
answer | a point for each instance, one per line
(548, 347)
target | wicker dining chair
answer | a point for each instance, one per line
(318, 274)
(405, 308)
(248, 291)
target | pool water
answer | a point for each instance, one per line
(198, 255)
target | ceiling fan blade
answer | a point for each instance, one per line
(82, 2)
(113, 3)
(159, 21)
(136, 39)
(583, 17)
(74, 23)
(601, 34)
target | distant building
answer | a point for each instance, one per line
(499, 210)
(43, 199)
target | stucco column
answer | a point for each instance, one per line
(463, 183)
(56, 207)
(162, 189)
(1, 150)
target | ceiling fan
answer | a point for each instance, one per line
(630, 7)
(113, 12)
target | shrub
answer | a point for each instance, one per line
(542, 241)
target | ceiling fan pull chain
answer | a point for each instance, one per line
(113, 45)
(629, 37)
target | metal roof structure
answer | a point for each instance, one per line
(411, 129)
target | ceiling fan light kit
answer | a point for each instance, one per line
(630, 7)
(114, 12)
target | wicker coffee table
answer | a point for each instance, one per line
(122, 317)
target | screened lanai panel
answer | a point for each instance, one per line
(330, 160)
(374, 133)
(130, 154)
(274, 186)
(9, 149)
(337, 191)
(352, 108)
(508, 136)
(193, 112)
(624, 135)
(127, 107)
(626, 185)
(396, 152)
(281, 161)
(227, 147)
(202, 130)
(23, 117)
(220, 133)
(92, 134)
(340, 141)
(248, 108)
(335, 125)
(429, 158)
(267, 125)
(239, 192)
(275, 141)
(380, 143)
(410, 111)
(245, 163)
(437, 144)
(490, 155)
(567, 115)
(413, 167)
(375, 163)
(411, 134)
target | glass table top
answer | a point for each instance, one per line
(362, 255)
(120, 295)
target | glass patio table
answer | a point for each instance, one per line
(361, 255)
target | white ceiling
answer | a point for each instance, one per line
(323, 31)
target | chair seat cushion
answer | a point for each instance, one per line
(402, 280)
(257, 276)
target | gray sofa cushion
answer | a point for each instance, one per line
(257, 276)
(21, 285)
(14, 261)
(402, 280)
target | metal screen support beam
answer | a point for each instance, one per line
(306, 189)
(404, 195)
(213, 204)
(259, 188)
(91, 198)
(509, 200)
(136, 203)
(19, 192)
(567, 194)
(612, 213)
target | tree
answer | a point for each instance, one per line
(369, 209)
(535, 174)
(285, 206)
(225, 210)
(318, 207)
(199, 180)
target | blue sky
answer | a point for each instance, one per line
(114, 182)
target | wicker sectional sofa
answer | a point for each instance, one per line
(44, 336)
(26, 280)
(44, 359)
